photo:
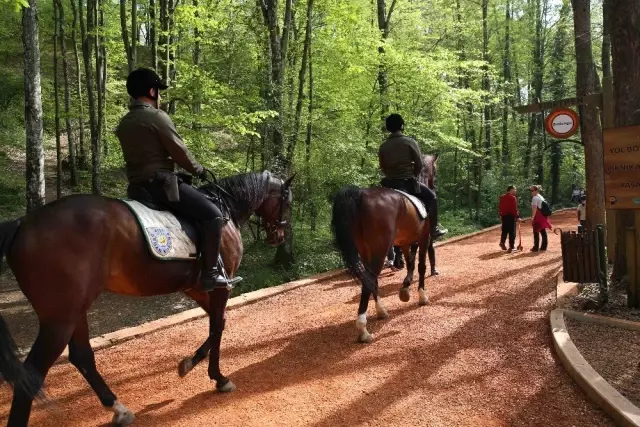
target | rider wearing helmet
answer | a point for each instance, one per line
(401, 163)
(151, 147)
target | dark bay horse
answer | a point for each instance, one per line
(366, 223)
(67, 252)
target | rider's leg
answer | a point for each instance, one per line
(210, 221)
(431, 202)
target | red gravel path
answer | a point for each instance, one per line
(478, 355)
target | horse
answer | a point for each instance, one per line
(67, 252)
(427, 177)
(365, 224)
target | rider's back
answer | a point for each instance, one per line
(400, 157)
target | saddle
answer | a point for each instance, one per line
(405, 187)
(169, 237)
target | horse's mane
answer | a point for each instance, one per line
(248, 190)
(428, 167)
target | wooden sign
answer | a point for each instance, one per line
(562, 123)
(622, 167)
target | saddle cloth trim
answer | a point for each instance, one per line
(422, 211)
(169, 231)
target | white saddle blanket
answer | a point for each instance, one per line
(417, 203)
(164, 234)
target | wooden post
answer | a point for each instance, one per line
(609, 122)
(632, 293)
(602, 268)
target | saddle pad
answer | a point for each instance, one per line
(417, 203)
(164, 235)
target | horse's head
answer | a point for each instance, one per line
(276, 208)
(428, 173)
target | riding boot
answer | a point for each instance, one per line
(211, 277)
(436, 230)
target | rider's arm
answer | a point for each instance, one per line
(381, 161)
(417, 157)
(175, 146)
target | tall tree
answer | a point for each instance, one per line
(128, 50)
(589, 117)
(506, 74)
(33, 107)
(558, 90)
(71, 142)
(384, 20)
(624, 18)
(81, 154)
(486, 83)
(56, 101)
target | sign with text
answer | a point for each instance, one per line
(562, 123)
(622, 167)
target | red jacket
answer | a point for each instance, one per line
(508, 205)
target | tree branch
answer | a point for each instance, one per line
(386, 22)
(558, 141)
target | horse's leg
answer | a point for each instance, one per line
(422, 269)
(410, 257)
(188, 363)
(51, 341)
(361, 322)
(82, 357)
(217, 304)
(432, 259)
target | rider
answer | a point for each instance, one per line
(151, 147)
(401, 163)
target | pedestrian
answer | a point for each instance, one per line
(540, 222)
(508, 211)
(582, 214)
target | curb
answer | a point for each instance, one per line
(609, 399)
(564, 290)
(127, 334)
(603, 320)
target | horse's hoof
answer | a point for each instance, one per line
(406, 282)
(365, 338)
(382, 314)
(404, 295)
(185, 367)
(435, 273)
(424, 298)
(123, 418)
(227, 387)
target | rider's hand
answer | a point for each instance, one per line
(204, 174)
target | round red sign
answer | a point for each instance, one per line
(562, 123)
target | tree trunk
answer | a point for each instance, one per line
(67, 98)
(152, 34)
(313, 209)
(384, 19)
(87, 53)
(82, 157)
(134, 34)
(301, 82)
(589, 118)
(32, 108)
(125, 34)
(164, 40)
(56, 102)
(486, 85)
(506, 153)
(606, 39)
(625, 42)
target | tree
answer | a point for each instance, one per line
(33, 107)
(57, 101)
(589, 117)
(82, 157)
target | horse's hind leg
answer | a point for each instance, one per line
(411, 264)
(422, 269)
(82, 357)
(51, 341)
(369, 274)
(432, 259)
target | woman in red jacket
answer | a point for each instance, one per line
(508, 211)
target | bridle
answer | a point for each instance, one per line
(272, 226)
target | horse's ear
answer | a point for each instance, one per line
(287, 183)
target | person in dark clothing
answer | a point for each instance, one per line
(401, 163)
(508, 211)
(151, 147)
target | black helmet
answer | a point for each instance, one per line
(394, 122)
(141, 80)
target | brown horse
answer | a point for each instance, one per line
(366, 223)
(67, 252)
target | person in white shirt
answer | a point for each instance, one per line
(582, 213)
(540, 222)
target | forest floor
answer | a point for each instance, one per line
(479, 354)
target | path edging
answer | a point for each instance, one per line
(597, 388)
(126, 334)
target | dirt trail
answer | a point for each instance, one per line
(479, 354)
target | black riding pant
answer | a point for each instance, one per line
(192, 205)
(508, 228)
(536, 240)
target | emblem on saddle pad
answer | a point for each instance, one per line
(160, 240)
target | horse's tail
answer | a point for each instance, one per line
(346, 206)
(11, 368)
